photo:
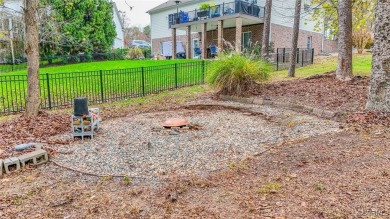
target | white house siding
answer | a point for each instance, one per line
(118, 42)
(283, 14)
(14, 4)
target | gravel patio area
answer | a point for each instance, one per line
(137, 146)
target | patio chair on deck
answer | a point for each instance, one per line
(213, 50)
(197, 53)
(216, 12)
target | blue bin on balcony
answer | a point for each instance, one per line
(183, 17)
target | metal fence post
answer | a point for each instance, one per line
(312, 56)
(277, 60)
(48, 90)
(297, 55)
(176, 75)
(101, 86)
(203, 71)
(143, 81)
(303, 57)
(284, 55)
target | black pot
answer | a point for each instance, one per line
(80, 106)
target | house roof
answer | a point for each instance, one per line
(116, 13)
(171, 4)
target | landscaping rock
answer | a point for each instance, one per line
(215, 139)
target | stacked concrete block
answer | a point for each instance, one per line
(85, 125)
(10, 162)
(37, 157)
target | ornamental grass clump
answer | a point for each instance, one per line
(234, 74)
(135, 54)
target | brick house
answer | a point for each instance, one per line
(235, 21)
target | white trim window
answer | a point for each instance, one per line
(246, 39)
(309, 42)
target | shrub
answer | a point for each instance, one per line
(236, 74)
(147, 51)
(88, 57)
(135, 53)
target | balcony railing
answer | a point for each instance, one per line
(238, 6)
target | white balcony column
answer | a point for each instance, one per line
(220, 35)
(204, 37)
(189, 43)
(238, 34)
(174, 49)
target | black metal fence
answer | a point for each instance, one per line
(281, 59)
(21, 63)
(59, 89)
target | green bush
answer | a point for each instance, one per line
(147, 51)
(135, 54)
(234, 74)
(88, 57)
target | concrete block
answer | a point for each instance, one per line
(268, 102)
(225, 97)
(318, 112)
(258, 100)
(37, 157)
(297, 106)
(308, 108)
(328, 114)
(1, 167)
(10, 162)
(282, 104)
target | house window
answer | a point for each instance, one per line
(309, 42)
(246, 39)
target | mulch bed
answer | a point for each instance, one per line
(326, 92)
(323, 91)
(22, 130)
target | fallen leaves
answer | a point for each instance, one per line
(23, 130)
(369, 121)
(323, 91)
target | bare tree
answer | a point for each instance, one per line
(266, 28)
(295, 36)
(379, 92)
(344, 67)
(33, 100)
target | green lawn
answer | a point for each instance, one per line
(361, 66)
(102, 65)
(59, 89)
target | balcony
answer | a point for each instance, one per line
(249, 8)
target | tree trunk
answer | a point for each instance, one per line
(294, 44)
(33, 100)
(344, 67)
(379, 92)
(266, 29)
